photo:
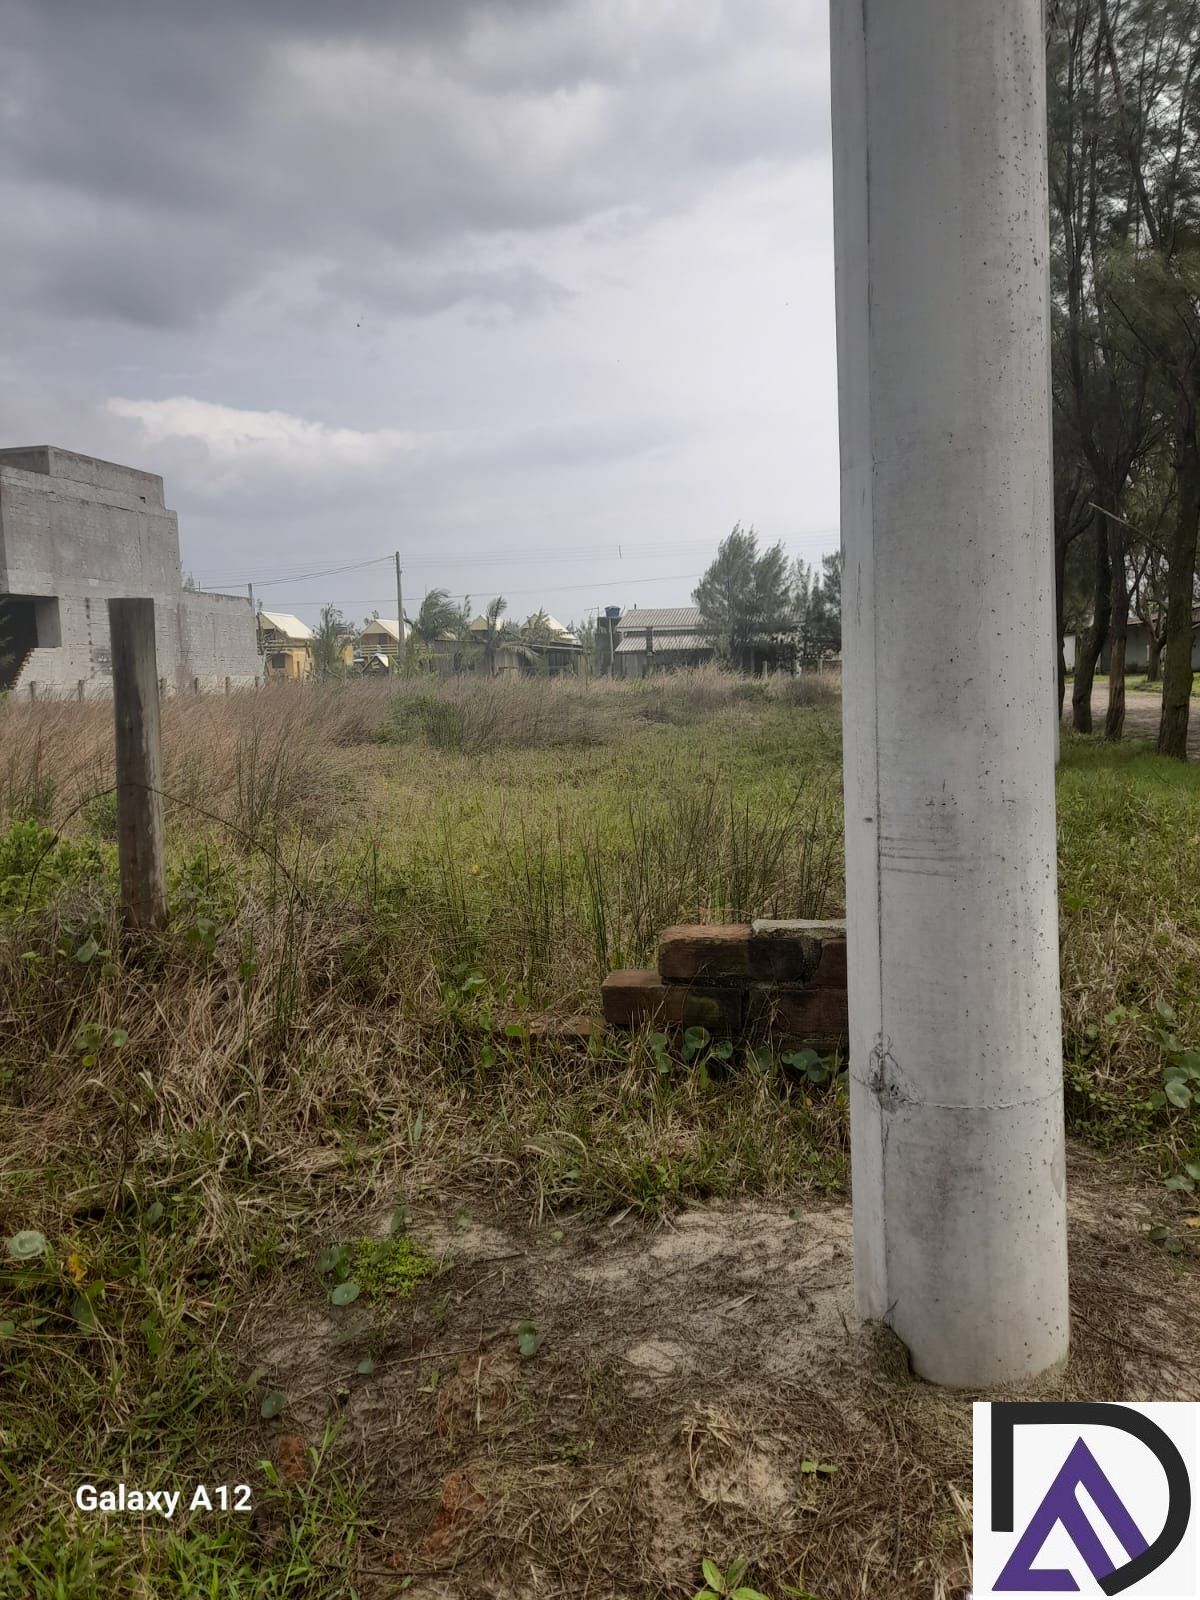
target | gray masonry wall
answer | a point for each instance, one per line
(218, 640)
(76, 532)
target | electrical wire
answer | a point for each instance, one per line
(483, 558)
(541, 588)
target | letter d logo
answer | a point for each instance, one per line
(1105, 1491)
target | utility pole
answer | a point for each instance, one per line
(941, 238)
(400, 615)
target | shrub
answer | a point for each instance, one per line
(35, 864)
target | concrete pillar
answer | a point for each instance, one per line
(956, 1057)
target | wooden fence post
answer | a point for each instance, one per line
(139, 763)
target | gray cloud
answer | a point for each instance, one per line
(376, 271)
(362, 130)
(398, 286)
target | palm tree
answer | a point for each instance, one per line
(536, 629)
(437, 618)
(534, 639)
(494, 632)
(327, 643)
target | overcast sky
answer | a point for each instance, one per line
(538, 291)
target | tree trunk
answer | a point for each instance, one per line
(1177, 675)
(1118, 632)
(1154, 658)
(1091, 642)
(1060, 581)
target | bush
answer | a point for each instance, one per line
(425, 718)
(35, 864)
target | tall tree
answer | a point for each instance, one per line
(831, 585)
(437, 618)
(1101, 418)
(585, 632)
(328, 638)
(1152, 52)
(495, 635)
(745, 601)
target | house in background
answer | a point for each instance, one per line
(552, 649)
(653, 639)
(559, 651)
(76, 532)
(1137, 647)
(380, 637)
(506, 658)
(286, 645)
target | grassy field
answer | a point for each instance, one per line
(379, 897)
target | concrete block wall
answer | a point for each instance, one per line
(76, 532)
(219, 640)
(783, 982)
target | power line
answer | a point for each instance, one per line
(483, 558)
(541, 588)
(295, 577)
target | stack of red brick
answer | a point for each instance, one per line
(782, 981)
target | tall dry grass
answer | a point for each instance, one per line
(268, 758)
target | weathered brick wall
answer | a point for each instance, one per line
(779, 981)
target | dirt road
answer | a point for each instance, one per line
(1141, 715)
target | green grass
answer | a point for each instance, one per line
(371, 905)
(1129, 873)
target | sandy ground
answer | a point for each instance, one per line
(699, 1388)
(1141, 715)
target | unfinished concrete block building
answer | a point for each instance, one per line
(76, 532)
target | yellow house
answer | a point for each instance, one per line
(380, 637)
(285, 644)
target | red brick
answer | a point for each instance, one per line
(789, 952)
(721, 950)
(831, 969)
(633, 996)
(638, 996)
(799, 1018)
(721, 1008)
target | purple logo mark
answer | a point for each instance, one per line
(1060, 1506)
(1080, 1470)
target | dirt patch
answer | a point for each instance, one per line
(586, 1411)
(1143, 711)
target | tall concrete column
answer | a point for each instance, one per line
(956, 1068)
